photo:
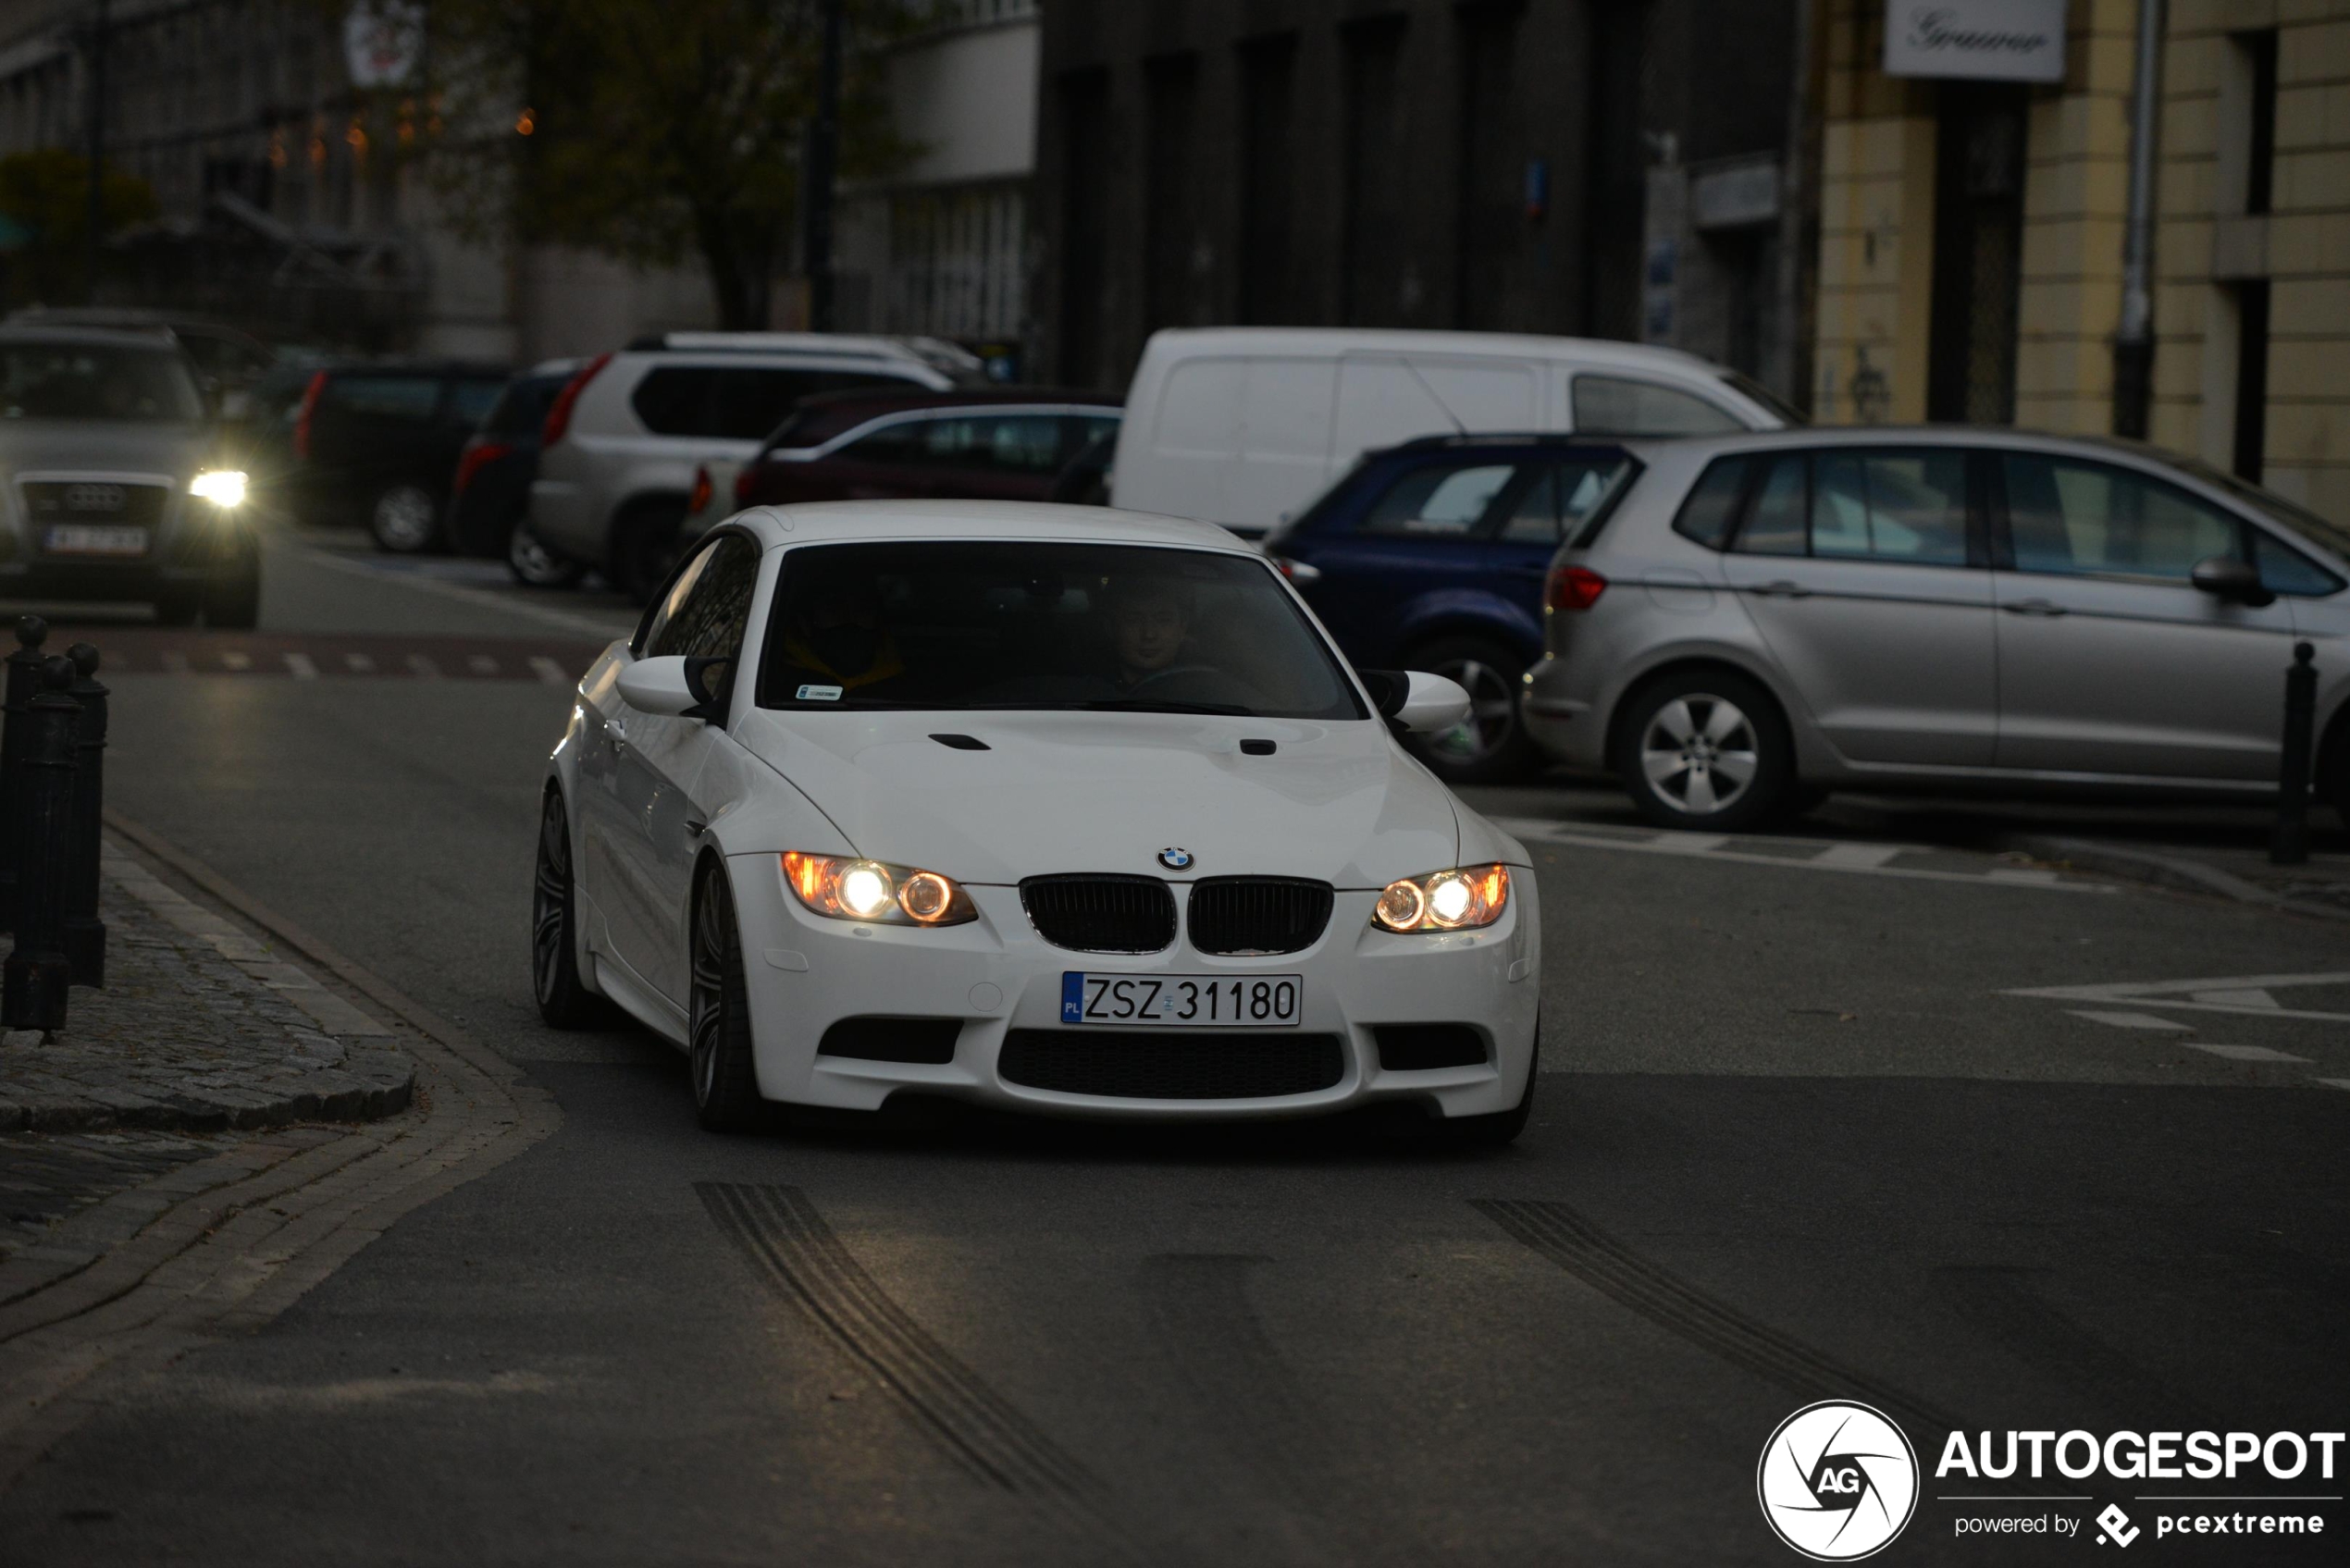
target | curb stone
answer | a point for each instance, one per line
(229, 1242)
(2175, 872)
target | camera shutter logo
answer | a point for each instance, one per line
(1838, 1481)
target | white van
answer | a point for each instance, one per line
(1244, 425)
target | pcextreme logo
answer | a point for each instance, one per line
(1837, 1481)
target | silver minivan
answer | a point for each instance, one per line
(1759, 619)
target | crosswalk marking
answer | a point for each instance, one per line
(549, 672)
(423, 668)
(299, 667)
(1862, 860)
(359, 663)
(1857, 857)
(481, 665)
(2251, 996)
(234, 659)
(2335, 1083)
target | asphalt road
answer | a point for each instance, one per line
(1797, 1136)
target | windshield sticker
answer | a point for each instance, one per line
(820, 694)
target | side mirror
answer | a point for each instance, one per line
(677, 685)
(2231, 582)
(1416, 703)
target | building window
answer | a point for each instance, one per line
(1373, 258)
(1172, 238)
(2259, 65)
(1978, 243)
(1084, 227)
(1268, 291)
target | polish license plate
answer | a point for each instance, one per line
(1186, 1001)
(93, 538)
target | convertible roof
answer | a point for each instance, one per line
(830, 521)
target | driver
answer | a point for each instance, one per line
(1150, 623)
(836, 636)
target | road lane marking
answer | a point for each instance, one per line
(231, 659)
(1857, 857)
(2246, 1052)
(299, 667)
(2178, 995)
(360, 663)
(549, 672)
(480, 598)
(423, 668)
(1702, 846)
(481, 665)
(2253, 997)
(2126, 1020)
(2335, 1083)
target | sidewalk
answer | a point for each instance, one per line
(2319, 887)
(202, 1034)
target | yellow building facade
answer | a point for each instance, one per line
(1973, 235)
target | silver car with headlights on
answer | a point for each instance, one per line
(1762, 618)
(113, 483)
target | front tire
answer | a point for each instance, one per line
(1706, 750)
(564, 1000)
(535, 566)
(718, 1031)
(405, 519)
(1491, 746)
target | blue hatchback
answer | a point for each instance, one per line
(1433, 555)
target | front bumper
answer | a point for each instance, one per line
(995, 974)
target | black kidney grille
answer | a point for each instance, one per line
(1170, 1065)
(1237, 915)
(1101, 914)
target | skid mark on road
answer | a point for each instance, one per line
(794, 1251)
(1803, 855)
(1272, 1434)
(1558, 1233)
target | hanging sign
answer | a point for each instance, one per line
(1979, 40)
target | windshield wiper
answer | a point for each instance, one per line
(1159, 705)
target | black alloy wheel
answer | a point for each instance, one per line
(564, 1000)
(534, 565)
(718, 1028)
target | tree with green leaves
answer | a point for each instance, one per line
(653, 131)
(45, 214)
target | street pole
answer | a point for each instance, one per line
(2133, 344)
(823, 147)
(97, 215)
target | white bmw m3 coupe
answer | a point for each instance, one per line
(1049, 809)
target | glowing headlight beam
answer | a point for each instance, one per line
(222, 487)
(1463, 898)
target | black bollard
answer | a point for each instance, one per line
(33, 987)
(2289, 844)
(85, 932)
(24, 680)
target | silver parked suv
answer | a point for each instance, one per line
(1761, 618)
(623, 439)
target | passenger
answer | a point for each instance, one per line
(836, 640)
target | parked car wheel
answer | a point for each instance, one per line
(1706, 749)
(644, 547)
(405, 518)
(234, 599)
(1491, 745)
(534, 565)
(718, 1029)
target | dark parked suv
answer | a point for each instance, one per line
(1001, 444)
(490, 496)
(1432, 556)
(377, 444)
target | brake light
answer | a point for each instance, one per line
(478, 455)
(1573, 587)
(310, 395)
(558, 412)
(698, 497)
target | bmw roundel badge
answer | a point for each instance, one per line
(1175, 859)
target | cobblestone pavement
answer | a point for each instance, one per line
(46, 1177)
(203, 1026)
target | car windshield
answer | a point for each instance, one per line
(957, 625)
(86, 381)
(2274, 507)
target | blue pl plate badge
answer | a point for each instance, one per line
(1072, 996)
(817, 694)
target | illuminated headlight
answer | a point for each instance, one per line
(867, 890)
(222, 487)
(1460, 899)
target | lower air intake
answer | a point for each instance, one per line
(1173, 1065)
